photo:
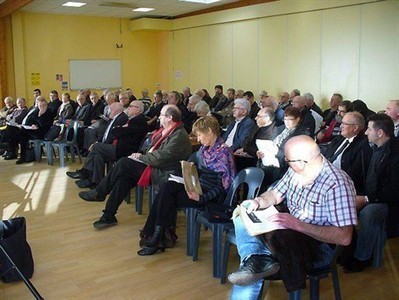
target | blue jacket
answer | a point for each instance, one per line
(244, 132)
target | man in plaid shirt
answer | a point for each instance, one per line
(320, 210)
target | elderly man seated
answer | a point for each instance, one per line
(170, 144)
(123, 140)
(320, 199)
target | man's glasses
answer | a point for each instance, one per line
(295, 160)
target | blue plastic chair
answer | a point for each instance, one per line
(253, 178)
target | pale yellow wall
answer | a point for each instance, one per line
(44, 43)
(317, 46)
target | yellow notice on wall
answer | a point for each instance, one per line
(35, 78)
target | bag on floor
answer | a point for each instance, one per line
(13, 240)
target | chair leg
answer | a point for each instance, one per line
(196, 236)
(62, 156)
(335, 278)
(139, 199)
(225, 260)
(190, 223)
(379, 246)
(296, 295)
(128, 197)
(314, 288)
(217, 250)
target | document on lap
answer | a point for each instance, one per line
(256, 222)
(269, 149)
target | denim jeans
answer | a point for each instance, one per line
(370, 219)
(249, 245)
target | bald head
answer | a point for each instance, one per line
(299, 102)
(302, 147)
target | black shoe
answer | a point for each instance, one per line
(10, 155)
(256, 267)
(91, 196)
(357, 266)
(2, 152)
(20, 161)
(105, 222)
(150, 250)
(85, 183)
(75, 175)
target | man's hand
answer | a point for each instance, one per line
(34, 127)
(91, 146)
(260, 154)
(250, 205)
(360, 202)
(286, 220)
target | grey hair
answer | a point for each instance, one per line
(244, 103)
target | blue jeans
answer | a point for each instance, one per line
(371, 218)
(249, 245)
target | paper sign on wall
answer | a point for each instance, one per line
(35, 78)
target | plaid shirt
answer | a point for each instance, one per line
(328, 201)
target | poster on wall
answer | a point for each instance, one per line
(35, 78)
(64, 85)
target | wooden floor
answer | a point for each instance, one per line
(75, 261)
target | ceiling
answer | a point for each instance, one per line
(163, 8)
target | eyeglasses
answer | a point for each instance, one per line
(237, 107)
(289, 119)
(133, 106)
(347, 124)
(262, 116)
(295, 160)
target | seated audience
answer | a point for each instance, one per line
(284, 100)
(37, 129)
(186, 95)
(316, 203)
(254, 106)
(170, 144)
(241, 130)
(315, 110)
(225, 102)
(65, 111)
(54, 103)
(155, 110)
(11, 132)
(216, 174)
(9, 107)
(333, 130)
(219, 97)
(282, 134)
(307, 119)
(123, 140)
(146, 100)
(266, 100)
(360, 106)
(329, 114)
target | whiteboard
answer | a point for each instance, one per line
(95, 74)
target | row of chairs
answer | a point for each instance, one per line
(67, 142)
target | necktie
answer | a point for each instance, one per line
(339, 151)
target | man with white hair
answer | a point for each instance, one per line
(315, 110)
(307, 120)
(392, 110)
(239, 132)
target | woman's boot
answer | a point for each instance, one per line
(156, 243)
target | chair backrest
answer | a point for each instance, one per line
(253, 177)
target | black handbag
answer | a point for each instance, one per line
(218, 213)
(13, 241)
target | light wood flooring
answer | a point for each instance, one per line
(75, 261)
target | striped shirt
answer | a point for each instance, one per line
(328, 201)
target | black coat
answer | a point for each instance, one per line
(129, 138)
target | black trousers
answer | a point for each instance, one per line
(99, 155)
(123, 177)
(171, 196)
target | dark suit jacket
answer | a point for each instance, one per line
(262, 133)
(83, 114)
(355, 159)
(307, 121)
(53, 107)
(388, 185)
(129, 138)
(120, 120)
(243, 133)
(96, 110)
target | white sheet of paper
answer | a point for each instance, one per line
(269, 150)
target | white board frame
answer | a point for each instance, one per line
(95, 73)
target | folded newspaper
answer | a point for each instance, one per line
(256, 222)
